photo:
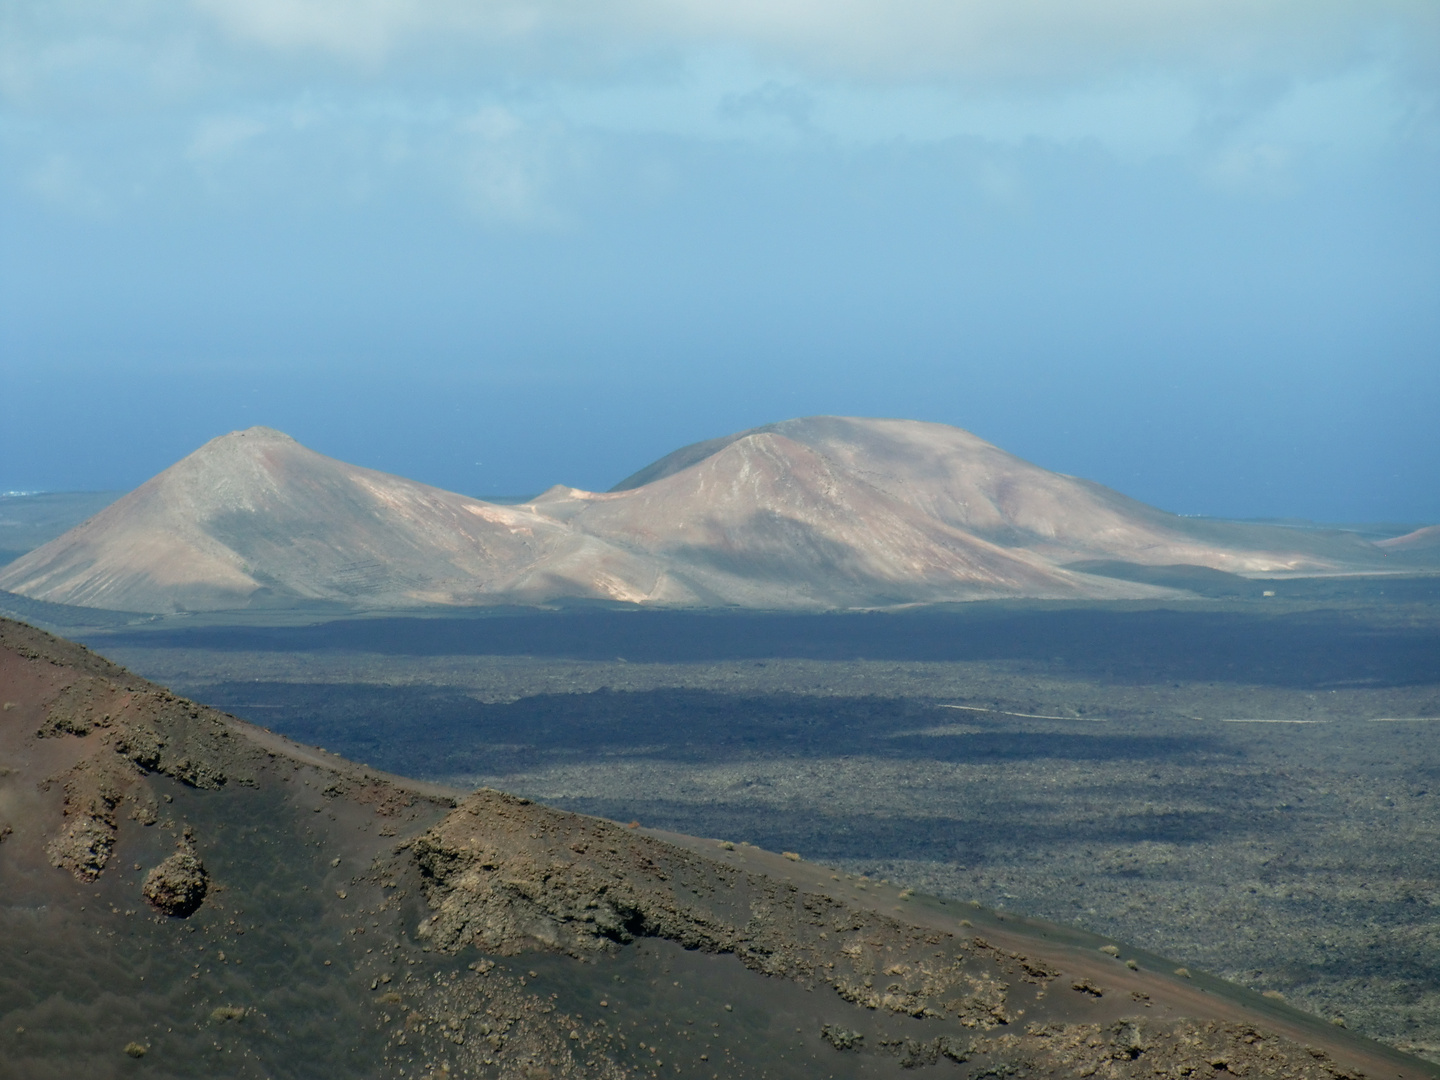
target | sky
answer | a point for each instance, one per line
(1186, 248)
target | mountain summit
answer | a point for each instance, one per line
(254, 517)
(823, 512)
(959, 480)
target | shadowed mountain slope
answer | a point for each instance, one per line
(186, 895)
(1420, 546)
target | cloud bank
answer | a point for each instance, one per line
(501, 104)
(996, 213)
(1049, 42)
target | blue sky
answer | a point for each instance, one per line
(1188, 248)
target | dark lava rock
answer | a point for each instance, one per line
(178, 885)
(840, 1038)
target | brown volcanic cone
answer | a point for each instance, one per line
(254, 516)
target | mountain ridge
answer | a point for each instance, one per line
(814, 513)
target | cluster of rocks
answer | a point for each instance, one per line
(178, 885)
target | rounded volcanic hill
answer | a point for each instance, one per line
(255, 517)
(956, 478)
(765, 517)
(820, 512)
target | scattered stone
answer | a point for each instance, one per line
(840, 1038)
(83, 847)
(135, 1050)
(178, 885)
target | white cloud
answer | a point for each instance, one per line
(61, 182)
(492, 122)
(220, 136)
(1257, 169)
(493, 101)
(505, 186)
(1001, 183)
(503, 169)
(1050, 42)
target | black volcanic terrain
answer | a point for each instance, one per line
(1246, 784)
(183, 894)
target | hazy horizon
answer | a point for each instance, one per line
(1191, 254)
(1384, 526)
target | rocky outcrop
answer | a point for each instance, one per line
(178, 885)
(116, 731)
(505, 875)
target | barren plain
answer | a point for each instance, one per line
(184, 894)
(1249, 786)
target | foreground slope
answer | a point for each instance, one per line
(183, 894)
